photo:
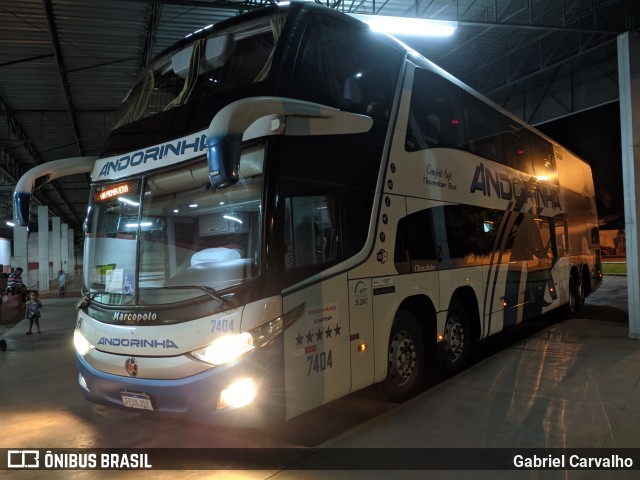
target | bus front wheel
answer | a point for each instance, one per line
(456, 343)
(406, 368)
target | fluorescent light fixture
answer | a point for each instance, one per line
(193, 205)
(135, 225)
(11, 224)
(407, 26)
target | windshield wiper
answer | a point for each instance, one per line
(208, 290)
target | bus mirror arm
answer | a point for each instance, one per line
(47, 171)
(225, 133)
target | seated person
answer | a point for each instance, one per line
(15, 284)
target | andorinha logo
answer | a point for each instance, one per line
(185, 147)
(506, 187)
(137, 342)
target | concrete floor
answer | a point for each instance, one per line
(556, 383)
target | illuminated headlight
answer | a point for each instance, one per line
(229, 347)
(81, 343)
(237, 394)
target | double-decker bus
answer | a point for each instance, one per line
(291, 207)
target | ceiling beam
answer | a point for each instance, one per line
(55, 44)
(150, 34)
(16, 169)
(219, 4)
(549, 67)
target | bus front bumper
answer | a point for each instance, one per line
(214, 396)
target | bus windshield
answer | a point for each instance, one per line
(203, 70)
(168, 238)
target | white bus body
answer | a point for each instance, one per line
(322, 230)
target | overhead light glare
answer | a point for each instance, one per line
(128, 201)
(405, 26)
(235, 219)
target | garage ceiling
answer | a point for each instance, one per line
(65, 65)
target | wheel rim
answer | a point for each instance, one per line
(453, 339)
(402, 358)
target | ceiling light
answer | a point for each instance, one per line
(407, 26)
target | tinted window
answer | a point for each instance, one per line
(542, 158)
(458, 235)
(347, 67)
(311, 234)
(443, 115)
(434, 114)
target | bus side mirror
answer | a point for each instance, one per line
(22, 208)
(223, 155)
(226, 131)
(44, 173)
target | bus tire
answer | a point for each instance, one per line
(453, 351)
(406, 355)
(576, 296)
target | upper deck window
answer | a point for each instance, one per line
(232, 58)
(346, 66)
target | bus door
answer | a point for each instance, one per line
(316, 344)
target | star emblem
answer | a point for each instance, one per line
(309, 337)
(337, 330)
(327, 332)
(319, 335)
(299, 339)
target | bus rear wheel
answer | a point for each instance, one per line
(454, 349)
(406, 368)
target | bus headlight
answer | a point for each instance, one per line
(229, 347)
(81, 343)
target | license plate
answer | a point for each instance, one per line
(136, 400)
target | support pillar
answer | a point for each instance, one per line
(64, 247)
(629, 85)
(72, 258)
(20, 237)
(43, 249)
(55, 245)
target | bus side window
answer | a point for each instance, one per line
(415, 240)
(310, 233)
(495, 136)
(542, 157)
(434, 113)
(345, 67)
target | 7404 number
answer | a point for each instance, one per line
(224, 325)
(319, 362)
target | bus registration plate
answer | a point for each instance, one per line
(136, 400)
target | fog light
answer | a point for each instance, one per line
(237, 394)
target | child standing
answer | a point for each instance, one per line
(32, 310)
